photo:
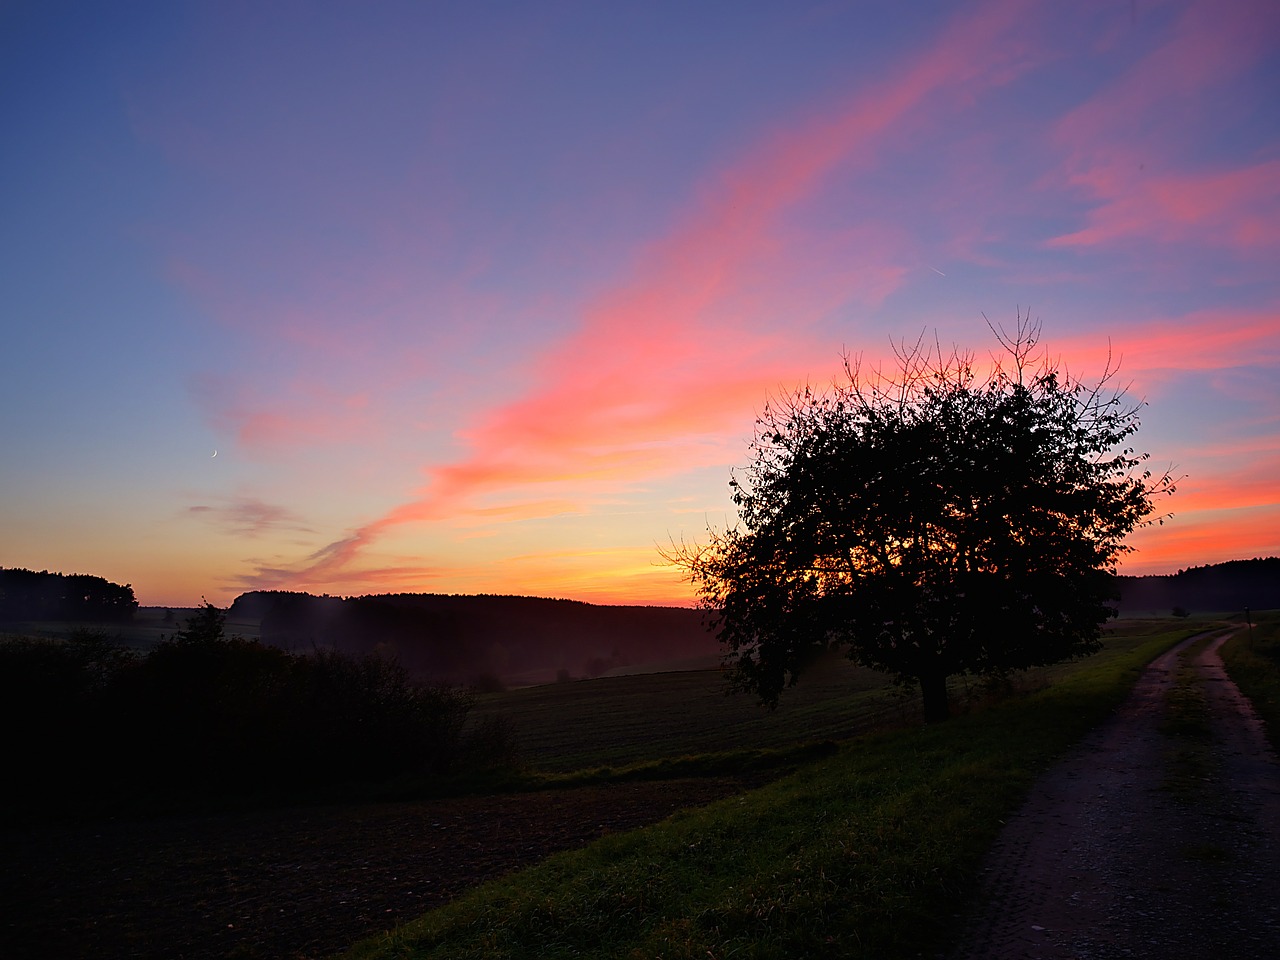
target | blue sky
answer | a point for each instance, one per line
(485, 297)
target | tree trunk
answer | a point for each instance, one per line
(933, 690)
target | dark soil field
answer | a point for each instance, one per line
(297, 883)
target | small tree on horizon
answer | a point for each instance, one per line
(928, 522)
(206, 625)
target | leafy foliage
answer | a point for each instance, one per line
(84, 724)
(31, 595)
(929, 523)
(206, 625)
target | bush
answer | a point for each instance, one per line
(366, 718)
(86, 724)
(202, 716)
(52, 696)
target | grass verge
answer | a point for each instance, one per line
(1252, 659)
(621, 721)
(767, 761)
(870, 852)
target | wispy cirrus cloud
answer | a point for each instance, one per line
(1142, 150)
(1210, 339)
(1227, 503)
(1237, 208)
(1251, 482)
(1207, 45)
(676, 355)
(245, 516)
(309, 413)
(401, 577)
(1204, 537)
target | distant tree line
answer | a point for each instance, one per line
(469, 638)
(32, 595)
(85, 723)
(1220, 588)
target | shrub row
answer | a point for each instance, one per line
(85, 724)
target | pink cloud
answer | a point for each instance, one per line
(1227, 505)
(248, 516)
(1239, 447)
(1208, 537)
(313, 413)
(406, 577)
(1255, 486)
(675, 355)
(524, 510)
(1242, 474)
(1211, 43)
(1236, 208)
(1123, 144)
(1214, 339)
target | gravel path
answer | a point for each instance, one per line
(1144, 843)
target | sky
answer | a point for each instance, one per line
(485, 297)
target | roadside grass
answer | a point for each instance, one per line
(1252, 659)
(869, 852)
(718, 764)
(622, 721)
(631, 722)
(144, 632)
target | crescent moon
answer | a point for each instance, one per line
(215, 453)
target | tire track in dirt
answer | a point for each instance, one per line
(1105, 861)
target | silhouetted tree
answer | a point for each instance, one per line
(30, 595)
(204, 626)
(930, 522)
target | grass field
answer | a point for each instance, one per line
(620, 721)
(613, 721)
(149, 626)
(870, 852)
(1252, 659)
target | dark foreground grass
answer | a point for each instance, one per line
(1252, 659)
(871, 852)
(621, 721)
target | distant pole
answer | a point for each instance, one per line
(1249, 620)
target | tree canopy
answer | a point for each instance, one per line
(928, 522)
(31, 595)
(206, 625)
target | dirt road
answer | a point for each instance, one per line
(1150, 840)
